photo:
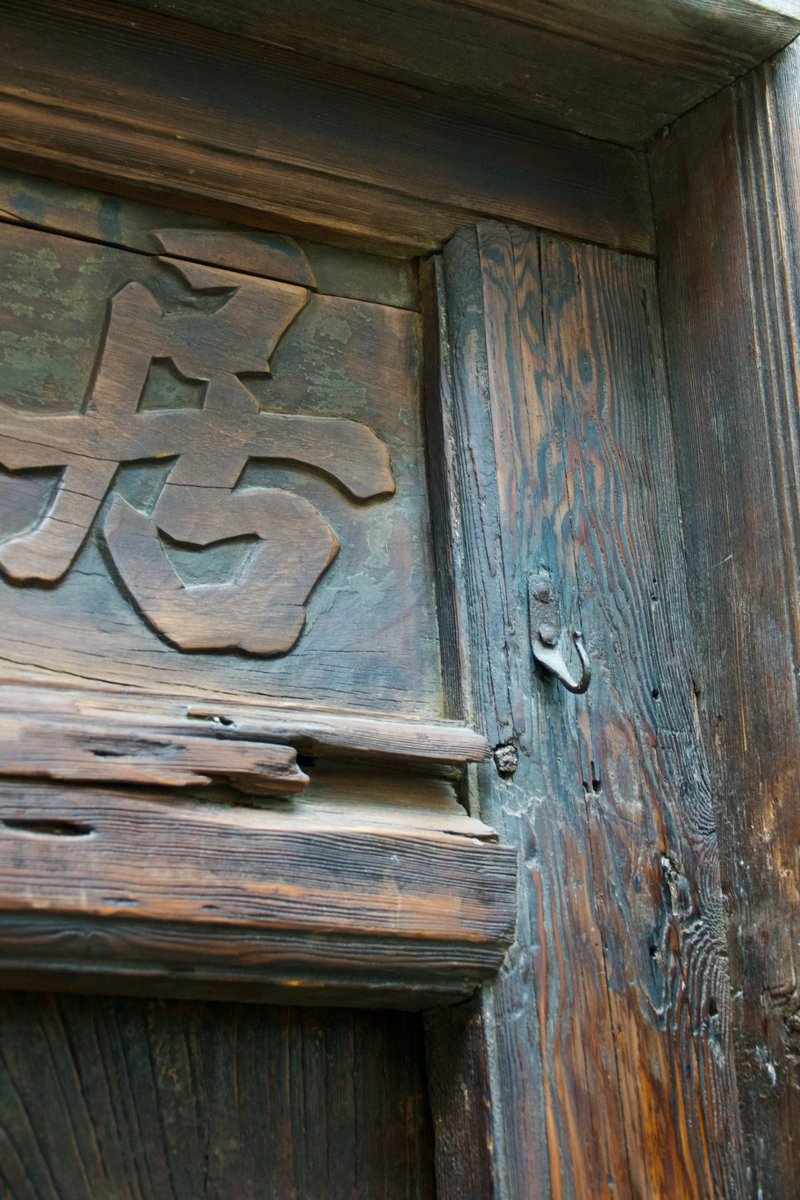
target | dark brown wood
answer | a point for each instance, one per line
(460, 1100)
(608, 1028)
(135, 892)
(727, 185)
(132, 225)
(191, 451)
(147, 1100)
(150, 105)
(615, 69)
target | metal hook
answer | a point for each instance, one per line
(551, 658)
(544, 641)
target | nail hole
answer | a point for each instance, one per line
(48, 827)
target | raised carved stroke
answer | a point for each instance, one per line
(261, 611)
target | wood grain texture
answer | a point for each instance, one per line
(138, 892)
(32, 747)
(133, 225)
(611, 1069)
(460, 1100)
(727, 182)
(124, 100)
(614, 69)
(114, 713)
(126, 1099)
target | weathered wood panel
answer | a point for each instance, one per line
(178, 485)
(147, 1100)
(370, 898)
(172, 111)
(727, 187)
(615, 69)
(609, 1027)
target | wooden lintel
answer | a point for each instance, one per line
(615, 69)
(167, 110)
(107, 891)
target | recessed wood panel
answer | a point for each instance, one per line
(214, 481)
(121, 1099)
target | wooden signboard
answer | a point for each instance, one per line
(217, 553)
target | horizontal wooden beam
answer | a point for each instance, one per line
(132, 893)
(210, 122)
(614, 69)
(242, 726)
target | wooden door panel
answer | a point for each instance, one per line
(150, 1100)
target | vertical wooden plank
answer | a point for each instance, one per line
(727, 182)
(460, 1097)
(608, 1030)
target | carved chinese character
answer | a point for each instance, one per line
(261, 611)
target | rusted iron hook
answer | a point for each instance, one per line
(546, 634)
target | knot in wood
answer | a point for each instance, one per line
(506, 760)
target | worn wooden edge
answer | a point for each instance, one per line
(614, 69)
(289, 144)
(216, 721)
(121, 891)
(69, 750)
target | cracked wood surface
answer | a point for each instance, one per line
(727, 186)
(35, 748)
(114, 713)
(116, 98)
(610, 1065)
